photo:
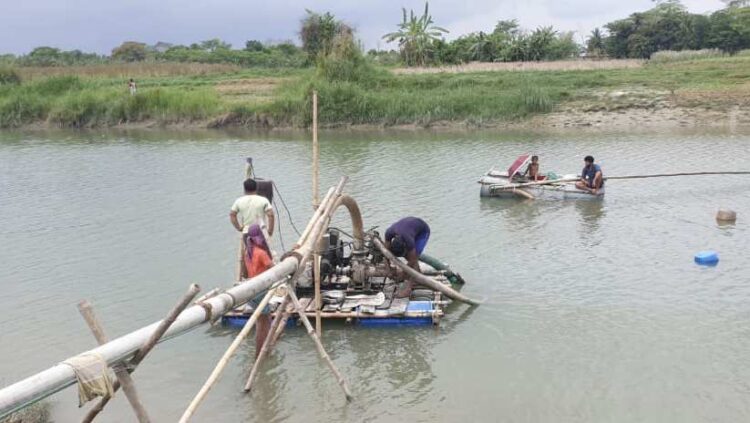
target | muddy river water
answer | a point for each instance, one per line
(593, 311)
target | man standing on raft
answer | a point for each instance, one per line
(408, 238)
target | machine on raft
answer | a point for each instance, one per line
(359, 283)
(512, 184)
(361, 286)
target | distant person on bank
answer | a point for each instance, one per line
(132, 87)
(407, 238)
(592, 178)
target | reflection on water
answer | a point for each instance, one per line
(594, 310)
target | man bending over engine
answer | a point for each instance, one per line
(408, 238)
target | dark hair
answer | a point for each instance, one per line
(589, 159)
(534, 157)
(398, 246)
(250, 185)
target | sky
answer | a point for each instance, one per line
(100, 25)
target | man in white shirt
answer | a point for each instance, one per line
(252, 208)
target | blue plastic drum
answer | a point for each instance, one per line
(707, 258)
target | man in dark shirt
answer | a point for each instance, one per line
(408, 238)
(592, 178)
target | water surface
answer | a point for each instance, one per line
(594, 311)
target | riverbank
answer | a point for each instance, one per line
(705, 92)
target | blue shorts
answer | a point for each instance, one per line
(421, 241)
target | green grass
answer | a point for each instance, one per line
(357, 95)
(68, 101)
(489, 96)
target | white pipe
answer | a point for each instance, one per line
(61, 376)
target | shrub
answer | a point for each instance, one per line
(9, 76)
(17, 109)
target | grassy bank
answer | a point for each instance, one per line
(370, 95)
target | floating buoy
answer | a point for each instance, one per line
(707, 258)
(726, 215)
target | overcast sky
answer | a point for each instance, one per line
(100, 25)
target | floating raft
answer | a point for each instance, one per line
(415, 313)
(378, 307)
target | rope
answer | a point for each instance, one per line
(289, 214)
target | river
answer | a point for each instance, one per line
(594, 311)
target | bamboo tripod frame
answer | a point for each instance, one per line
(123, 374)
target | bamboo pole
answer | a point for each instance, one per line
(60, 376)
(422, 279)
(241, 259)
(316, 152)
(502, 187)
(321, 351)
(148, 346)
(506, 187)
(266, 344)
(664, 175)
(280, 329)
(128, 386)
(318, 320)
(225, 359)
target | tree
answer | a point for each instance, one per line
(130, 51)
(484, 48)
(44, 56)
(507, 28)
(214, 44)
(595, 44)
(563, 47)
(736, 3)
(254, 45)
(318, 32)
(416, 36)
(539, 43)
(729, 29)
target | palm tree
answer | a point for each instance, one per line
(415, 36)
(595, 43)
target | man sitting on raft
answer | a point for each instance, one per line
(592, 178)
(408, 238)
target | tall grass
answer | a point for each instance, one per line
(355, 92)
(67, 101)
(385, 99)
(127, 70)
(668, 56)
